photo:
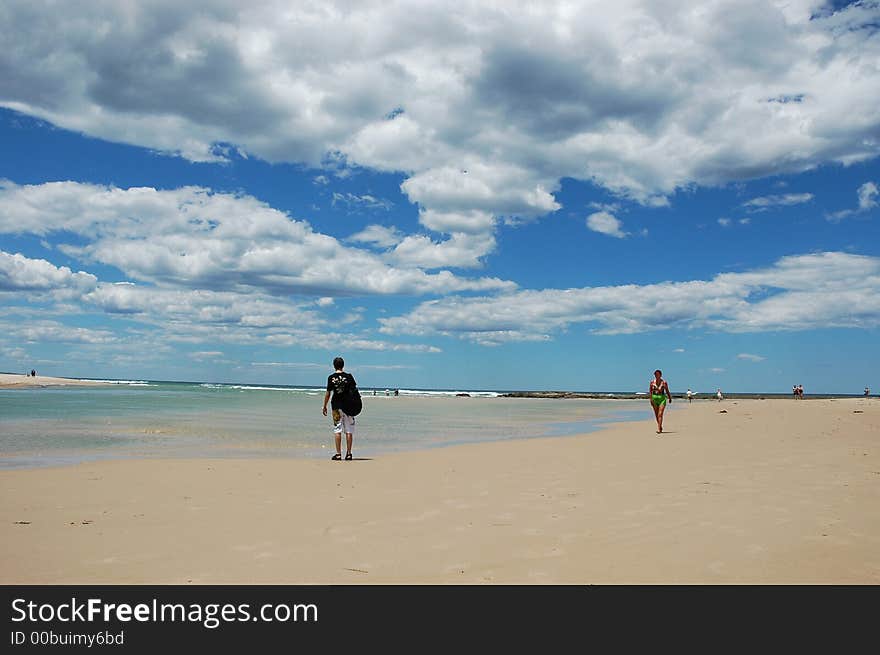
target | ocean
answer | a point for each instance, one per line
(154, 419)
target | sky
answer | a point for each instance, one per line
(455, 195)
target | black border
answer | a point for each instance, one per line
(419, 617)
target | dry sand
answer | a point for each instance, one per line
(772, 491)
(12, 380)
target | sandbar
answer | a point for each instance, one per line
(13, 380)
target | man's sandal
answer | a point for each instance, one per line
(348, 457)
(337, 456)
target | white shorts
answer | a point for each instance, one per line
(344, 423)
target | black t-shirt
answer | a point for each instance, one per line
(339, 382)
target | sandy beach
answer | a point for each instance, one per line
(745, 491)
(13, 380)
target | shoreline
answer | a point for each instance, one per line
(64, 457)
(766, 492)
(16, 380)
(636, 395)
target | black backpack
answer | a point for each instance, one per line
(350, 398)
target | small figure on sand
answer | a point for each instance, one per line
(800, 392)
(690, 395)
(719, 395)
(33, 373)
(659, 391)
(867, 392)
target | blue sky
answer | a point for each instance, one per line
(477, 196)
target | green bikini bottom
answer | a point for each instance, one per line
(658, 399)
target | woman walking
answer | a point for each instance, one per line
(659, 391)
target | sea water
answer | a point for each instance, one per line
(132, 419)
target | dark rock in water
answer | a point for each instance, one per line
(463, 395)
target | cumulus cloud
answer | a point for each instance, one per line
(801, 292)
(461, 249)
(22, 274)
(193, 238)
(205, 306)
(484, 109)
(174, 315)
(41, 330)
(382, 236)
(606, 223)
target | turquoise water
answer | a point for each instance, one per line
(58, 425)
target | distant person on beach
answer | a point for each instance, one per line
(690, 395)
(659, 391)
(867, 392)
(339, 385)
(794, 391)
(33, 373)
(800, 391)
(719, 395)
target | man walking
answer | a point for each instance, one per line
(339, 385)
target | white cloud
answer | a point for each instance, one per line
(802, 292)
(203, 355)
(460, 249)
(206, 317)
(382, 236)
(42, 330)
(606, 223)
(175, 315)
(678, 350)
(193, 238)
(502, 189)
(484, 108)
(363, 201)
(22, 274)
(717, 370)
(765, 202)
(724, 222)
(750, 357)
(868, 193)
